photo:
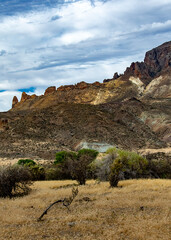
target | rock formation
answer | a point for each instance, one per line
(14, 101)
(3, 124)
(116, 75)
(50, 90)
(25, 97)
(156, 62)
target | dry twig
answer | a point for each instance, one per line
(66, 202)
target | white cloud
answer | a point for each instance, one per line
(75, 37)
(155, 26)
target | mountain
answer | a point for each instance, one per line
(131, 111)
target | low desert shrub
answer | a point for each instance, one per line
(89, 153)
(63, 163)
(80, 166)
(127, 165)
(14, 180)
(160, 168)
(53, 173)
(75, 165)
(25, 162)
(37, 171)
(62, 156)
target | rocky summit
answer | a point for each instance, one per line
(130, 111)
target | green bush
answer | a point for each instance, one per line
(25, 162)
(62, 156)
(127, 165)
(14, 181)
(63, 162)
(74, 165)
(37, 172)
(90, 153)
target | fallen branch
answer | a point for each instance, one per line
(66, 202)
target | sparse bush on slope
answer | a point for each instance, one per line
(14, 180)
(25, 162)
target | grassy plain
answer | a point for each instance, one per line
(136, 210)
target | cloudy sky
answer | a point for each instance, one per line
(58, 42)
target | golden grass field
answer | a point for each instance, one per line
(136, 210)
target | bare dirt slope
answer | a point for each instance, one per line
(41, 133)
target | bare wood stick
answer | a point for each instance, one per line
(66, 202)
(45, 212)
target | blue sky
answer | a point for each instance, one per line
(56, 42)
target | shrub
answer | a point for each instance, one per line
(127, 165)
(25, 162)
(37, 172)
(160, 168)
(62, 156)
(79, 166)
(115, 171)
(14, 180)
(89, 153)
(53, 173)
(75, 165)
(63, 162)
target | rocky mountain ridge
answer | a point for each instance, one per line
(141, 79)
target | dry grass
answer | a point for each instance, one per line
(8, 161)
(111, 214)
(150, 151)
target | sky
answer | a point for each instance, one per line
(59, 42)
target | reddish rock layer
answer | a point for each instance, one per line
(156, 61)
(50, 90)
(24, 97)
(81, 85)
(14, 101)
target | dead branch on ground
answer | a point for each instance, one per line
(66, 202)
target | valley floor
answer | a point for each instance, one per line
(136, 210)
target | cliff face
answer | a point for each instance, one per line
(130, 111)
(156, 62)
